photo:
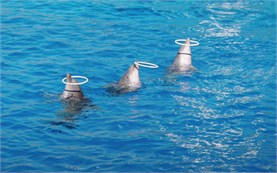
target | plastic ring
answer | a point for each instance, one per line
(146, 64)
(79, 83)
(194, 43)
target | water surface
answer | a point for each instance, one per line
(220, 118)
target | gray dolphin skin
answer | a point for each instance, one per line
(72, 91)
(183, 61)
(131, 78)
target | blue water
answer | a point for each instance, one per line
(219, 118)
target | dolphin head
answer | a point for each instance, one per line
(131, 77)
(72, 91)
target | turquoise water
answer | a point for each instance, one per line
(219, 118)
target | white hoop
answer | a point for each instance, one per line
(194, 43)
(145, 64)
(79, 83)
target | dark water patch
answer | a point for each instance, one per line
(57, 45)
(65, 124)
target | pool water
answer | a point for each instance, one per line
(220, 117)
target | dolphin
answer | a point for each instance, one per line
(72, 91)
(183, 62)
(131, 78)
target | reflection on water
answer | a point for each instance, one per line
(72, 109)
(132, 100)
(115, 89)
(184, 71)
(74, 106)
(173, 75)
